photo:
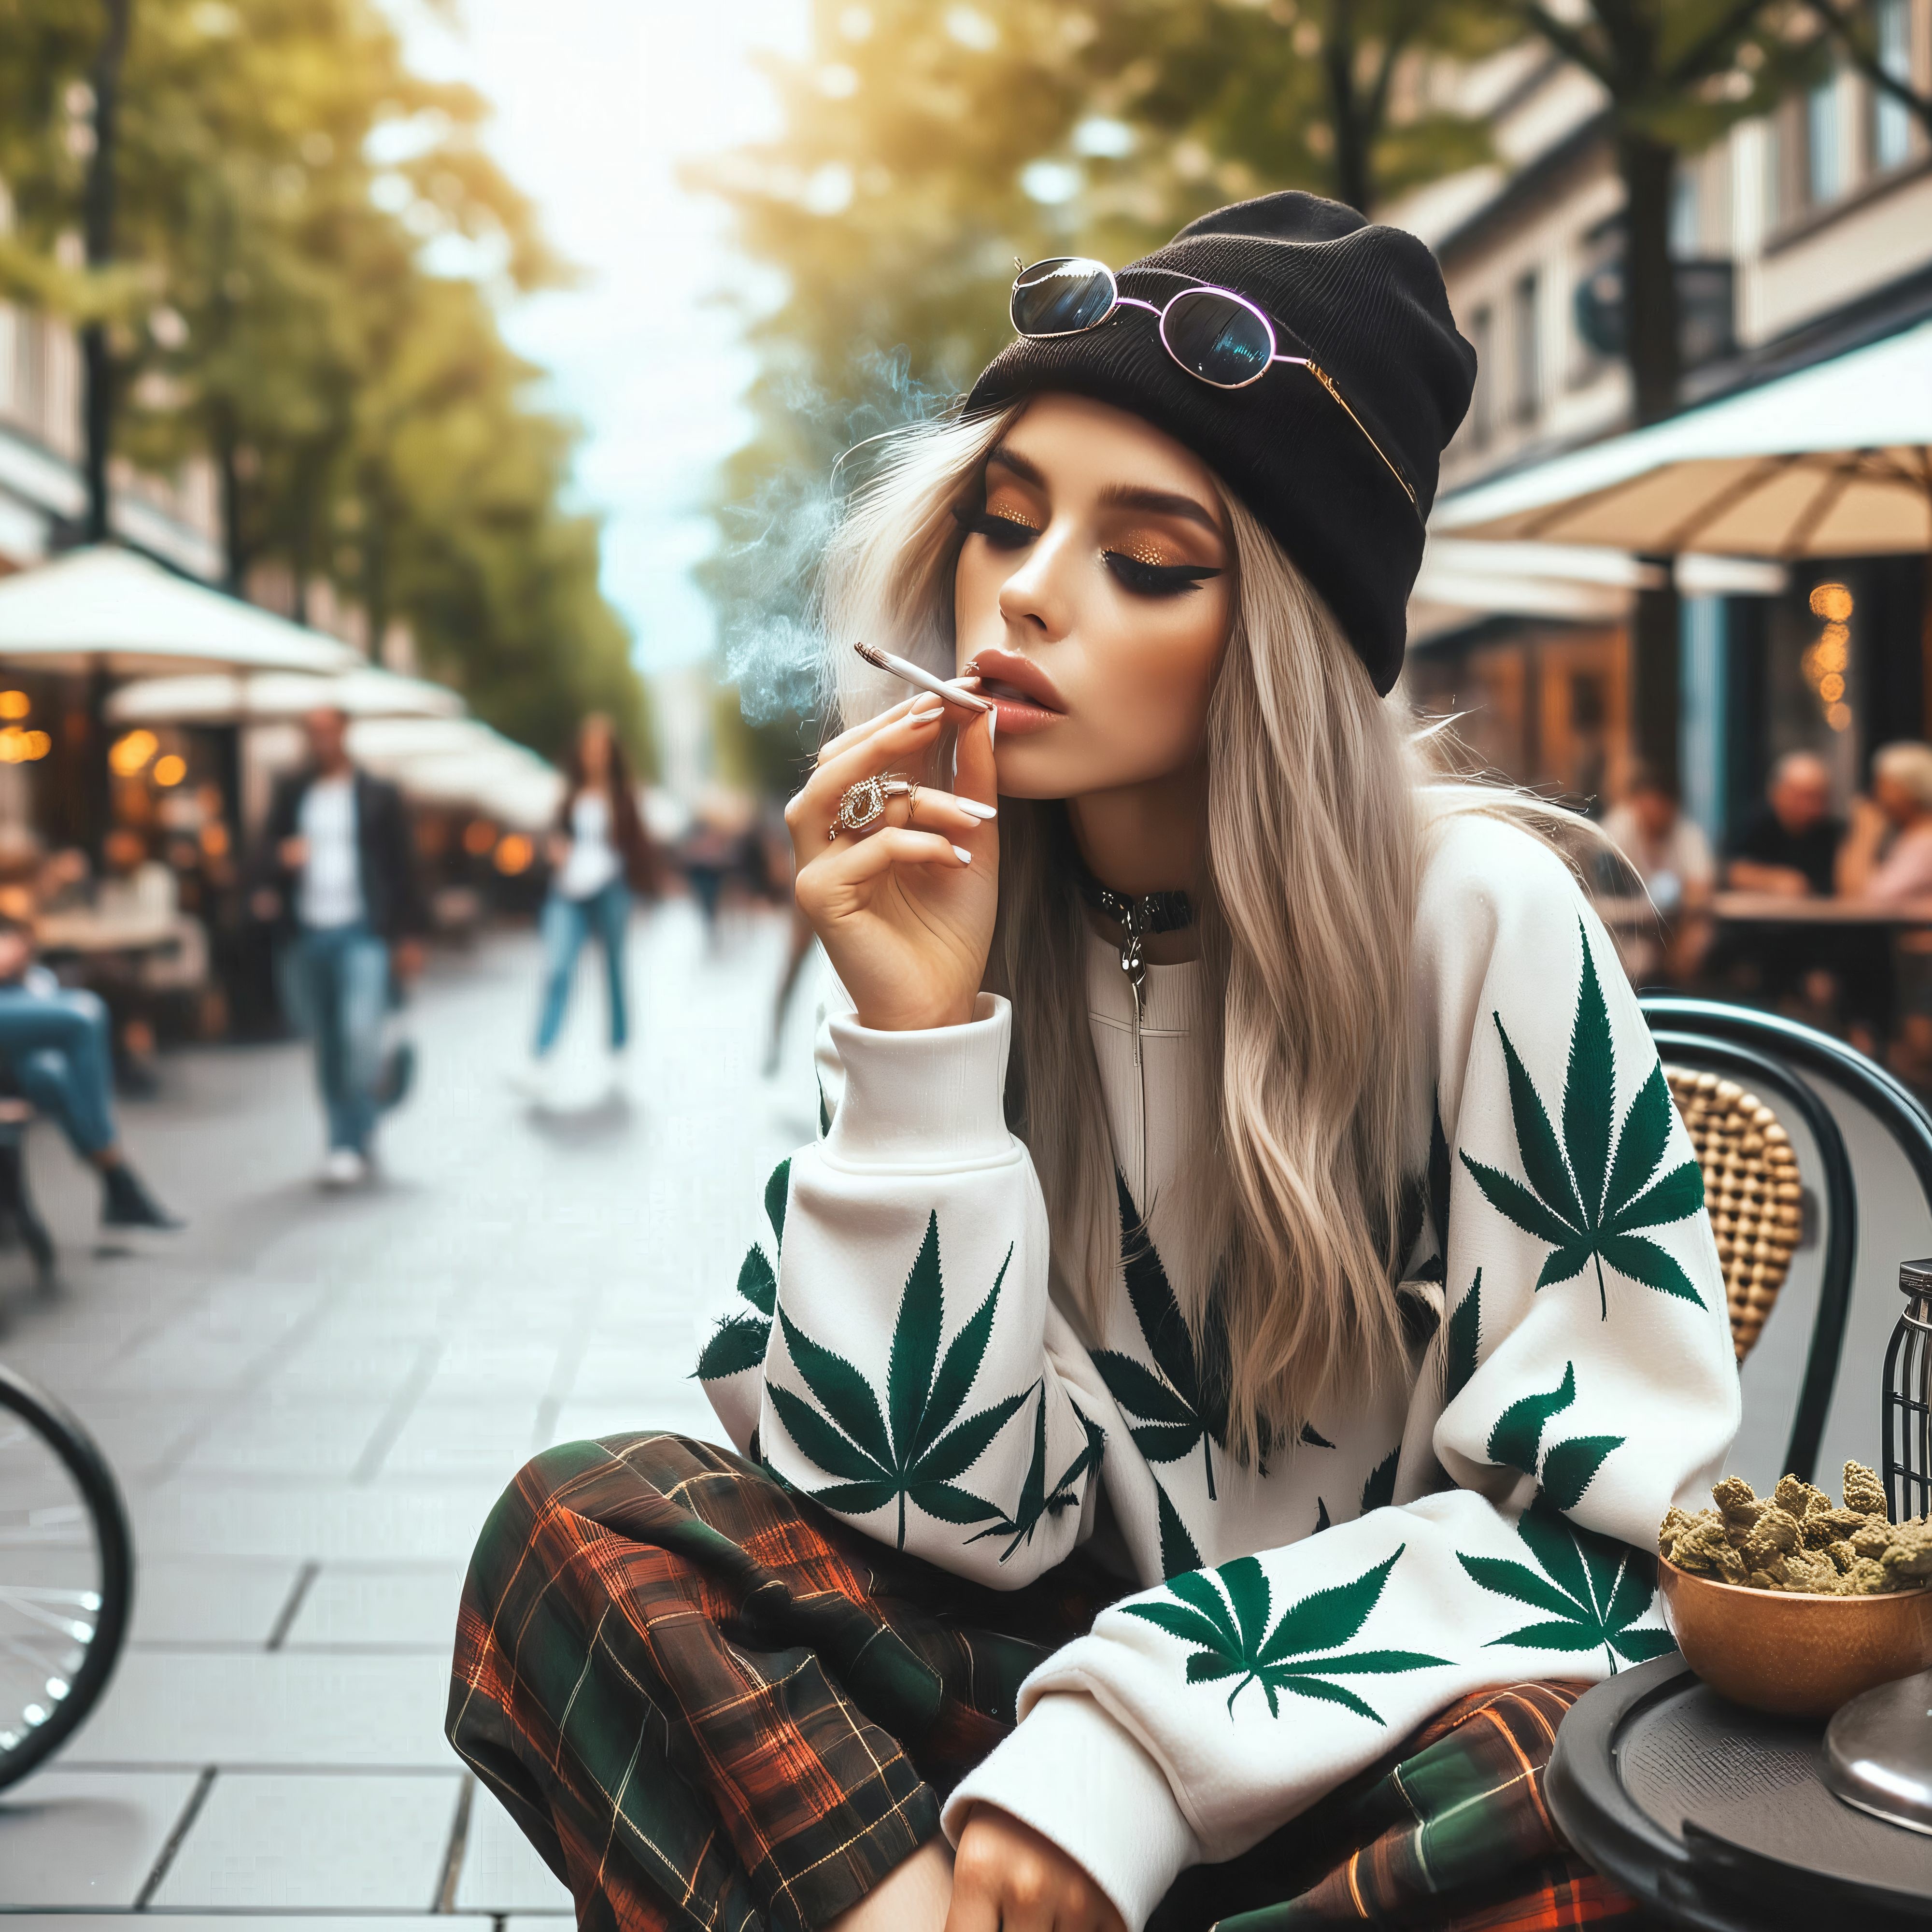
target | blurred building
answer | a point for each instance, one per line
(1799, 235)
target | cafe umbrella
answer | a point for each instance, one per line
(108, 614)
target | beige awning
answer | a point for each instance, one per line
(221, 697)
(109, 609)
(1834, 460)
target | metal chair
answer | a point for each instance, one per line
(1778, 1059)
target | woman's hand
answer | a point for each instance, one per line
(1007, 1878)
(904, 908)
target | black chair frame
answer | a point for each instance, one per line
(1778, 1058)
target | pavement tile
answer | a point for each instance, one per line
(487, 1439)
(501, 1869)
(350, 1607)
(229, 1921)
(201, 1600)
(258, 1439)
(311, 1521)
(79, 1838)
(297, 1843)
(319, 1708)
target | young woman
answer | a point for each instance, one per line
(1251, 1299)
(600, 851)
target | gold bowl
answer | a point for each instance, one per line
(1800, 1656)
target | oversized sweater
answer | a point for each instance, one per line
(1485, 1518)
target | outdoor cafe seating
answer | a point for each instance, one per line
(1715, 1813)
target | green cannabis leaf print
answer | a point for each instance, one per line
(1589, 1194)
(1187, 1403)
(1568, 1467)
(738, 1342)
(1235, 1641)
(1463, 1341)
(918, 1453)
(1592, 1589)
(1178, 1554)
(1036, 1499)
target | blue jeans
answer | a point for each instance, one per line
(57, 1045)
(567, 924)
(336, 984)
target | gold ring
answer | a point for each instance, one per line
(862, 804)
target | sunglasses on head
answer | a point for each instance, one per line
(1218, 337)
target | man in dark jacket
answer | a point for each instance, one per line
(337, 873)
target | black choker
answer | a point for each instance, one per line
(1137, 918)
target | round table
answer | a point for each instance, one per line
(1716, 1816)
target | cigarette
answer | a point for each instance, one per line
(911, 673)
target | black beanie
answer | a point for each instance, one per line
(1364, 301)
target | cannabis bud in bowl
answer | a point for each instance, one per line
(1793, 1603)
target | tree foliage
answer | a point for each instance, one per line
(309, 243)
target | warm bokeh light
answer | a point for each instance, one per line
(15, 704)
(215, 839)
(514, 855)
(1839, 717)
(171, 769)
(479, 835)
(131, 754)
(1833, 601)
(22, 747)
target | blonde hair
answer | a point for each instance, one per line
(1321, 795)
(1907, 762)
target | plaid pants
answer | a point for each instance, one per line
(709, 1704)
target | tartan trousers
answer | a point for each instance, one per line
(710, 1704)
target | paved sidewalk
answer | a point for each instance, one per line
(313, 1400)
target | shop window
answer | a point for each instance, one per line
(1526, 326)
(1824, 158)
(1482, 337)
(1892, 119)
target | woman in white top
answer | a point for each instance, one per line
(599, 850)
(1249, 1304)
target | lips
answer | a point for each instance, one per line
(1025, 697)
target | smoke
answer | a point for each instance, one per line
(767, 573)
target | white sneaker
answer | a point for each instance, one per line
(344, 1168)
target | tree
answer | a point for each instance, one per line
(1675, 73)
(309, 243)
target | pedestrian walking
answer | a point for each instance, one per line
(601, 854)
(54, 1046)
(336, 873)
(1142, 1481)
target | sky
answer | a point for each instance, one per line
(598, 102)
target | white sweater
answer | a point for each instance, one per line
(1469, 1528)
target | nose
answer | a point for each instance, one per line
(1036, 601)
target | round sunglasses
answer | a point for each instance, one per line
(1218, 337)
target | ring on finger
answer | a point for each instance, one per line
(863, 804)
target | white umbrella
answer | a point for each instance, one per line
(459, 761)
(220, 697)
(110, 611)
(1835, 460)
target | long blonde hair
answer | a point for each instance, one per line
(1321, 795)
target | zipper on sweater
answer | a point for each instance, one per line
(1133, 964)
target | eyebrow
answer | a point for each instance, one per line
(1117, 496)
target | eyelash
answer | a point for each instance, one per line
(1138, 578)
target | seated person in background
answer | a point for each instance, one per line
(1888, 855)
(55, 1043)
(1790, 847)
(1670, 854)
(137, 890)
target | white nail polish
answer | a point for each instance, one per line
(925, 716)
(992, 727)
(965, 857)
(974, 809)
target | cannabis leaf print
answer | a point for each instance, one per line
(1589, 1195)
(1232, 1631)
(1593, 1589)
(739, 1341)
(1568, 1467)
(918, 1453)
(1463, 1340)
(1187, 1403)
(1036, 1499)
(1178, 1553)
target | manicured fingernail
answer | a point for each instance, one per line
(973, 808)
(965, 857)
(926, 717)
(992, 725)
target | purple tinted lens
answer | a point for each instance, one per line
(1063, 296)
(1213, 336)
